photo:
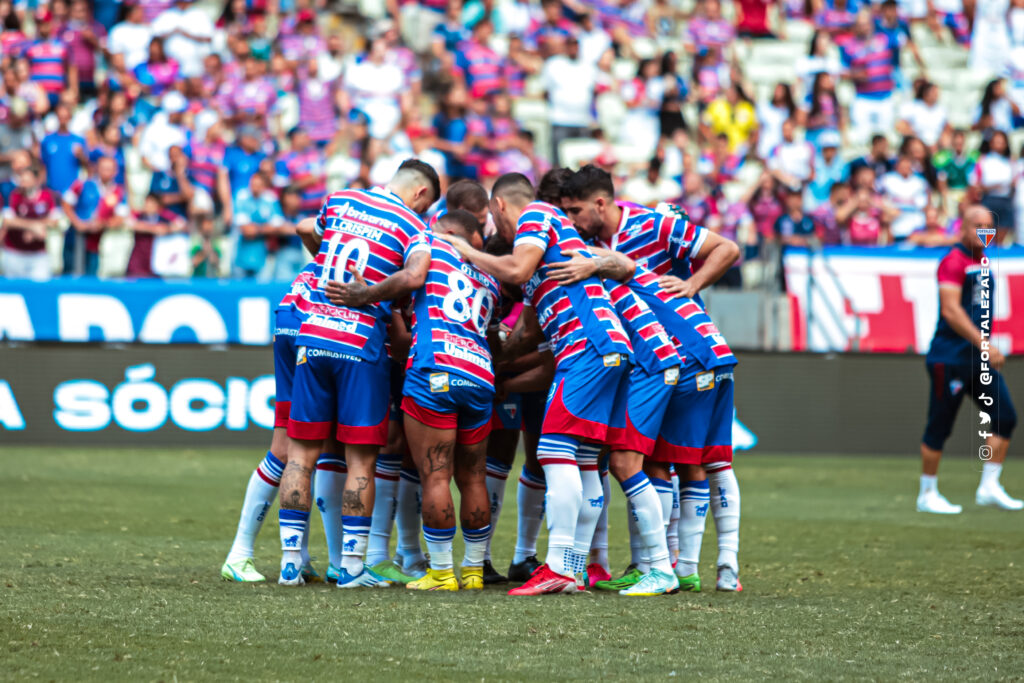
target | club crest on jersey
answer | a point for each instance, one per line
(300, 355)
(438, 382)
(986, 235)
(955, 386)
(511, 409)
(706, 381)
(672, 375)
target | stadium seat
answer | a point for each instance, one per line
(575, 152)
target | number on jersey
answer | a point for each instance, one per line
(465, 302)
(338, 258)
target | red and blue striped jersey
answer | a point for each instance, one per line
(663, 244)
(294, 166)
(46, 59)
(300, 288)
(570, 315)
(653, 351)
(374, 232)
(205, 162)
(450, 317)
(873, 59)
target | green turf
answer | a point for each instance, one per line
(111, 559)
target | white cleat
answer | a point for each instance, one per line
(994, 495)
(935, 503)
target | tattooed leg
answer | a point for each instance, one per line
(471, 478)
(432, 451)
(295, 480)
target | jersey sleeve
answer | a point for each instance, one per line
(682, 239)
(533, 230)
(414, 239)
(951, 271)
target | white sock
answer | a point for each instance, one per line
(304, 548)
(355, 533)
(599, 547)
(563, 499)
(663, 487)
(673, 520)
(646, 509)
(293, 525)
(637, 551)
(530, 501)
(593, 504)
(476, 545)
(725, 505)
(930, 482)
(497, 478)
(386, 484)
(259, 496)
(407, 517)
(693, 514)
(439, 545)
(328, 484)
(990, 472)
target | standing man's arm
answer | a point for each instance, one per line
(952, 311)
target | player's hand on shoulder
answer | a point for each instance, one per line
(460, 245)
(576, 269)
(677, 287)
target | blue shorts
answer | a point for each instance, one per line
(949, 384)
(697, 426)
(332, 387)
(588, 393)
(646, 409)
(445, 400)
(286, 331)
(508, 413)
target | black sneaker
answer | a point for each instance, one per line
(522, 571)
(491, 576)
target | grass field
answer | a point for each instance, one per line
(111, 559)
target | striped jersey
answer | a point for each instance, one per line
(300, 288)
(450, 317)
(653, 351)
(663, 244)
(873, 59)
(570, 315)
(46, 60)
(374, 232)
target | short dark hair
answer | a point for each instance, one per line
(587, 181)
(513, 184)
(878, 137)
(550, 187)
(468, 195)
(425, 170)
(463, 220)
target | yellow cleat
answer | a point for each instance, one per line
(436, 580)
(472, 578)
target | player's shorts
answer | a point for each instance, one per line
(337, 387)
(286, 331)
(646, 408)
(397, 380)
(508, 413)
(949, 384)
(697, 425)
(533, 411)
(444, 400)
(587, 393)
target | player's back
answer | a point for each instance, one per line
(451, 313)
(653, 350)
(663, 244)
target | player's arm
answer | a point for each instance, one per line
(524, 337)
(718, 254)
(952, 311)
(537, 378)
(406, 281)
(401, 338)
(515, 268)
(311, 239)
(605, 263)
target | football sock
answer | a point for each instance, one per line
(259, 495)
(593, 503)
(725, 506)
(328, 484)
(439, 545)
(990, 472)
(407, 517)
(304, 548)
(497, 477)
(637, 552)
(930, 482)
(355, 532)
(476, 545)
(563, 500)
(693, 513)
(530, 501)
(663, 487)
(673, 520)
(293, 527)
(386, 483)
(646, 508)
(599, 546)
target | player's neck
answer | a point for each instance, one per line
(611, 226)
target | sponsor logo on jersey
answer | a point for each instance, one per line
(300, 355)
(672, 375)
(438, 382)
(706, 381)
(723, 376)
(612, 360)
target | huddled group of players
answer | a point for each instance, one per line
(408, 356)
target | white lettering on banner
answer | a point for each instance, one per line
(78, 313)
(237, 417)
(11, 418)
(261, 393)
(184, 310)
(15, 322)
(203, 391)
(253, 314)
(135, 390)
(80, 405)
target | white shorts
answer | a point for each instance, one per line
(869, 115)
(26, 265)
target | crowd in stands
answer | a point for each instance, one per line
(159, 138)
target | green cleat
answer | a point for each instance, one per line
(332, 573)
(629, 578)
(690, 583)
(390, 571)
(309, 574)
(242, 571)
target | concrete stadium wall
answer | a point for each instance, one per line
(183, 395)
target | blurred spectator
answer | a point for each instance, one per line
(925, 116)
(63, 154)
(146, 225)
(173, 187)
(188, 33)
(708, 32)
(130, 38)
(85, 39)
(375, 89)
(824, 114)
(792, 160)
(996, 110)
(765, 204)
(159, 72)
(165, 130)
(864, 219)
(302, 169)
(993, 178)
(697, 203)
(836, 18)
(650, 188)
(770, 116)
(733, 114)
(934, 233)
(92, 206)
(31, 211)
(890, 24)
(15, 140)
(49, 64)
(867, 56)
(256, 222)
(950, 13)
(990, 37)
(674, 94)
(243, 159)
(953, 163)
(207, 173)
(878, 158)
(569, 84)
(291, 255)
(752, 18)
(794, 228)
(908, 194)
(828, 170)
(830, 216)
(818, 60)
(641, 127)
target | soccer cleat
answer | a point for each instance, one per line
(654, 582)
(390, 571)
(545, 582)
(728, 580)
(934, 502)
(364, 579)
(417, 569)
(689, 583)
(435, 580)
(628, 579)
(491, 575)
(995, 495)
(290, 575)
(309, 574)
(332, 574)
(595, 573)
(522, 571)
(474, 578)
(243, 571)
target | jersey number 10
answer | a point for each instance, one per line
(336, 265)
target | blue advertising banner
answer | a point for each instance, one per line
(146, 311)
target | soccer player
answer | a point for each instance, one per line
(956, 365)
(342, 370)
(592, 356)
(701, 449)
